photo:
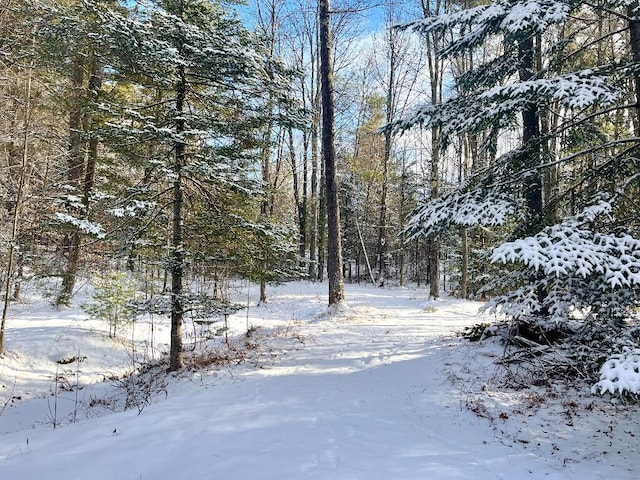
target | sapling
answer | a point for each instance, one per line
(111, 300)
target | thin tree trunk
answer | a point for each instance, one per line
(435, 77)
(334, 242)
(464, 267)
(401, 215)
(301, 204)
(313, 226)
(263, 291)
(634, 32)
(322, 222)
(434, 243)
(177, 248)
(388, 139)
(315, 122)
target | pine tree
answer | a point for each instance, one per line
(534, 74)
(203, 82)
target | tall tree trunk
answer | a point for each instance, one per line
(435, 79)
(388, 139)
(313, 226)
(177, 248)
(75, 172)
(532, 182)
(334, 242)
(433, 242)
(322, 221)
(314, 96)
(633, 12)
(464, 264)
(401, 215)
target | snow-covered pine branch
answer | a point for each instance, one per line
(131, 209)
(575, 90)
(498, 106)
(506, 17)
(85, 226)
(468, 209)
(576, 267)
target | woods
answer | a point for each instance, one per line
(480, 150)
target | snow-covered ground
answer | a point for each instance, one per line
(384, 390)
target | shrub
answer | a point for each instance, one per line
(111, 300)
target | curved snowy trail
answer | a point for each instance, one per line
(369, 395)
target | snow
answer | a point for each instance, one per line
(467, 209)
(572, 248)
(84, 225)
(510, 16)
(382, 390)
(620, 374)
(575, 90)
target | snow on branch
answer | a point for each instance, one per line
(461, 114)
(533, 14)
(620, 374)
(572, 249)
(500, 104)
(85, 226)
(502, 16)
(439, 23)
(569, 267)
(576, 90)
(134, 208)
(468, 209)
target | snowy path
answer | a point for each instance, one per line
(367, 397)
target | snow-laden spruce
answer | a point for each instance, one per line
(575, 90)
(571, 266)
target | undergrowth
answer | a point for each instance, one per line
(538, 352)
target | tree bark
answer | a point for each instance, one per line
(75, 172)
(464, 267)
(300, 200)
(177, 248)
(633, 14)
(434, 244)
(322, 222)
(334, 242)
(435, 78)
(530, 136)
(388, 139)
(313, 227)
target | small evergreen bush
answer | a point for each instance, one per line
(111, 300)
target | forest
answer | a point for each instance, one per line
(480, 150)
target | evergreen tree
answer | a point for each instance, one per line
(553, 89)
(203, 83)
